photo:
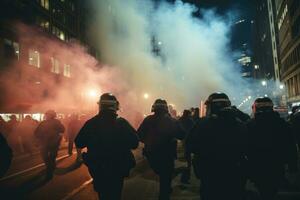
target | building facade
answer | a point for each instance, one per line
(35, 57)
(288, 24)
(265, 52)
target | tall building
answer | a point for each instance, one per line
(288, 24)
(265, 52)
(29, 74)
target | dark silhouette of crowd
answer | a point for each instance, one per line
(225, 149)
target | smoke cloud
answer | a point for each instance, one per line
(194, 54)
(148, 51)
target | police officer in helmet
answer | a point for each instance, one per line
(217, 142)
(159, 132)
(109, 140)
(270, 146)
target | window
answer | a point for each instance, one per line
(58, 33)
(45, 4)
(11, 49)
(34, 58)
(43, 23)
(67, 70)
(54, 65)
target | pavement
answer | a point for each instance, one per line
(72, 181)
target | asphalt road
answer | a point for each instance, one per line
(72, 181)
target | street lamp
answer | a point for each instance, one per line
(281, 86)
(92, 93)
(256, 66)
(146, 96)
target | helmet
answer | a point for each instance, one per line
(108, 102)
(160, 104)
(50, 114)
(262, 104)
(216, 102)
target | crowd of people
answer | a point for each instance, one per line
(225, 149)
(29, 136)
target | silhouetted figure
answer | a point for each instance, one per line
(109, 140)
(217, 142)
(73, 129)
(270, 146)
(5, 155)
(241, 115)
(49, 133)
(196, 114)
(2, 126)
(11, 133)
(159, 132)
(294, 120)
(187, 123)
(26, 129)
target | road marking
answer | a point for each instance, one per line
(77, 190)
(30, 169)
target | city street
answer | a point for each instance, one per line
(72, 181)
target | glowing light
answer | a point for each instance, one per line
(256, 66)
(92, 93)
(146, 96)
(264, 83)
(159, 43)
(281, 86)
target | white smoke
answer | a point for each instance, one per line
(194, 53)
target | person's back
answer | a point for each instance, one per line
(270, 140)
(109, 141)
(270, 146)
(5, 156)
(295, 123)
(159, 132)
(217, 142)
(218, 138)
(49, 131)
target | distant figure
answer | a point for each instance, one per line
(241, 115)
(73, 129)
(270, 146)
(2, 126)
(196, 114)
(159, 133)
(187, 123)
(5, 155)
(109, 140)
(11, 133)
(294, 120)
(26, 129)
(217, 142)
(49, 133)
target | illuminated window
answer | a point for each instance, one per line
(58, 33)
(11, 49)
(34, 58)
(54, 65)
(67, 70)
(45, 4)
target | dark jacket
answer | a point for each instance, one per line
(295, 123)
(49, 131)
(109, 141)
(5, 155)
(270, 143)
(218, 138)
(159, 133)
